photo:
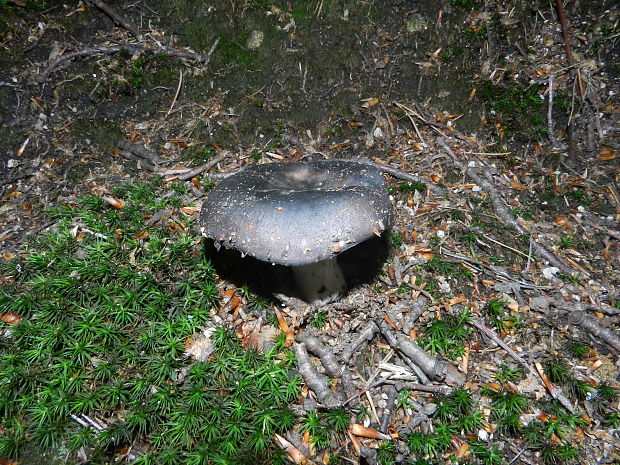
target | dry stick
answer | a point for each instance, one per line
(554, 140)
(116, 17)
(408, 112)
(572, 149)
(555, 392)
(432, 367)
(387, 412)
(328, 360)
(368, 384)
(494, 271)
(435, 189)
(204, 59)
(393, 342)
(88, 51)
(564, 26)
(176, 94)
(108, 50)
(315, 381)
(583, 306)
(504, 212)
(196, 171)
(417, 115)
(400, 385)
(365, 335)
(582, 319)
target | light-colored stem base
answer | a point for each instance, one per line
(320, 283)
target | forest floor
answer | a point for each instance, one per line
(490, 334)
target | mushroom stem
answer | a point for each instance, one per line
(321, 282)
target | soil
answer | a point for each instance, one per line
(346, 78)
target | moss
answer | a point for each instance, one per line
(232, 51)
(517, 107)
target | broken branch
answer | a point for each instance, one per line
(315, 381)
(116, 17)
(503, 211)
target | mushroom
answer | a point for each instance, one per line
(299, 214)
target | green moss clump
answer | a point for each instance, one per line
(103, 315)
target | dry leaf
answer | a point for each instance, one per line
(114, 203)
(10, 318)
(20, 152)
(189, 210)
(227, 295)
(457, 299)
(370, 102)
(293, 453)
(375, 230)
(13, 194)
(607, 155)
(595, 366)
(259, 338)
(463, 450)
(142, 235)
(517, 185)
(364, 432)
(281, 321)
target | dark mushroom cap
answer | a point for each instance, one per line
(297, 213)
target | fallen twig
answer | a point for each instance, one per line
(387, 411)
(583, 306)
(204, 59)
(432, 367)
(583, 320)
(567, 48)
(176, 94)
(116, 17)
(408, 112)
(365, 335)
(550, 129)
(201, 169)
(434, 188)
(400, 385)
(493, 270)
(555, 392)
(88, 51)
(315, 381)
(294, 454)
(329, 361)
(504, 212)
(111, 49)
